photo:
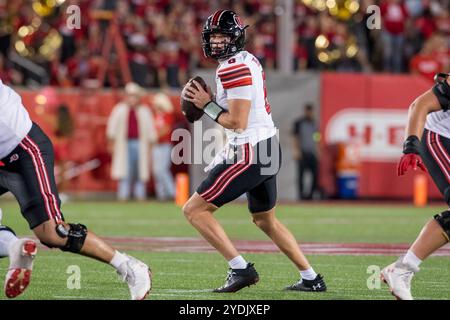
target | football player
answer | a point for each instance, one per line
(251, 159)
(27, 160)
(427, 146)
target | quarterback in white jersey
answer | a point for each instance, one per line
(242, 108)
(429, 118)
(26, 170)
(242, 77)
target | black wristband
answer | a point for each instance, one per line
(213, 110)
(411, 145)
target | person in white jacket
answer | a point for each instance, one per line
(131, 133)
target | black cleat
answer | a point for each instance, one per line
(316, 285)
(238, 279)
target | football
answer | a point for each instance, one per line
(190, 111)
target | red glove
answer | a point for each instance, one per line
(410, 160)
(2, 164)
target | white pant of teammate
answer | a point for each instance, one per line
(21, 253)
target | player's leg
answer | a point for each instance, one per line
(261, 202)
(35, 188)
(432, 237)
(200, 214)
(225, 183)
(435, 153)
(21, 253)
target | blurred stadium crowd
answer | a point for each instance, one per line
(163, 44)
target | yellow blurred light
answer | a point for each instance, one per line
(308, 2)
(42, 9)
(20, 46)
(344, 14)
(44, 50)
(322, 42)
(323, 57)
(331, 4)
(23, 31)
(352, 6)
(320, 5)
(334, 10)
(41, 99)
(351, 51)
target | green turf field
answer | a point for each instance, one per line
(185, 275)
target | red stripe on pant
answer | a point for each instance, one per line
(49, 198)
(433, 145)
(46, 181)
(223, 176)
(242, 168)
(442, 152)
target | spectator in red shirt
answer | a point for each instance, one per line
(425, 65)
(425, 62)
(164, 120)
(394, 15)
(131, 133)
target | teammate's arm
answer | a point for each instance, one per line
(417, 114)
(418, 111)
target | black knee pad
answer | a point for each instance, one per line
(444, 221)
(76, 235)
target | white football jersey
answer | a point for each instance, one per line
(242, 77)
(439, 122)
(15, 123)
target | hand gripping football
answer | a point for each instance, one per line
(190, 111)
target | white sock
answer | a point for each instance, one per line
(411, 259)
(7, 238)
(118, 259)
(308, 274)
(237, 263)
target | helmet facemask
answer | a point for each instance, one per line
(234, 31)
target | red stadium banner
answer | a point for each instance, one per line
(369, 111)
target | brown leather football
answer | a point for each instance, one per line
(190, 111)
